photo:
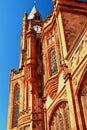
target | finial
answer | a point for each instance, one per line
(34, 3)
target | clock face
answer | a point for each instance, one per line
(37, 28)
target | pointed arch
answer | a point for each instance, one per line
(60, 118)
(81, 79)
(17, 92)
(82, 98)
(55, 106)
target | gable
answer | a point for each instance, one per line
(73, 23)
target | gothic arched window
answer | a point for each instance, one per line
(17, 93)
(53, 64)
(16, 105)
(82, 97)
(16, 112)
(60, 118)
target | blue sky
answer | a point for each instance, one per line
(11, 15)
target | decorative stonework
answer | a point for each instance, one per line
(24, 116)
(60, 82)
(79, 53)
(60, 118)
(72, 26)
(48, 101)
(63, 95)
(52, 86)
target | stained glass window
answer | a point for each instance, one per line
(61, 122)
(16, 106)
(56, 121)
(17, 93)
(60, 117)
(53, 64)
(66, 117)
(16, 112)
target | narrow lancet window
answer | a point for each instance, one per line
(53, 64)
(16, 105)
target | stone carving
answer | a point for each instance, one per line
(24, 118)
(79, 54)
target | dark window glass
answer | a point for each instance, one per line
(16, 112)
(53, 64)
(16, 106)
(17, 95)
(35, 17)
(38, 17)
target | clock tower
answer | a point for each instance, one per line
(25, 103)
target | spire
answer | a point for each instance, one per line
(33, 11)
(34, 3)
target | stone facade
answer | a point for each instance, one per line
(49, 90)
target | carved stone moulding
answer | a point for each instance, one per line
(52, 87)
(24, 119)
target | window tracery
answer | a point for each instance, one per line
(16, 111)
(16, 105)
(17, 93)
(60, 119)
